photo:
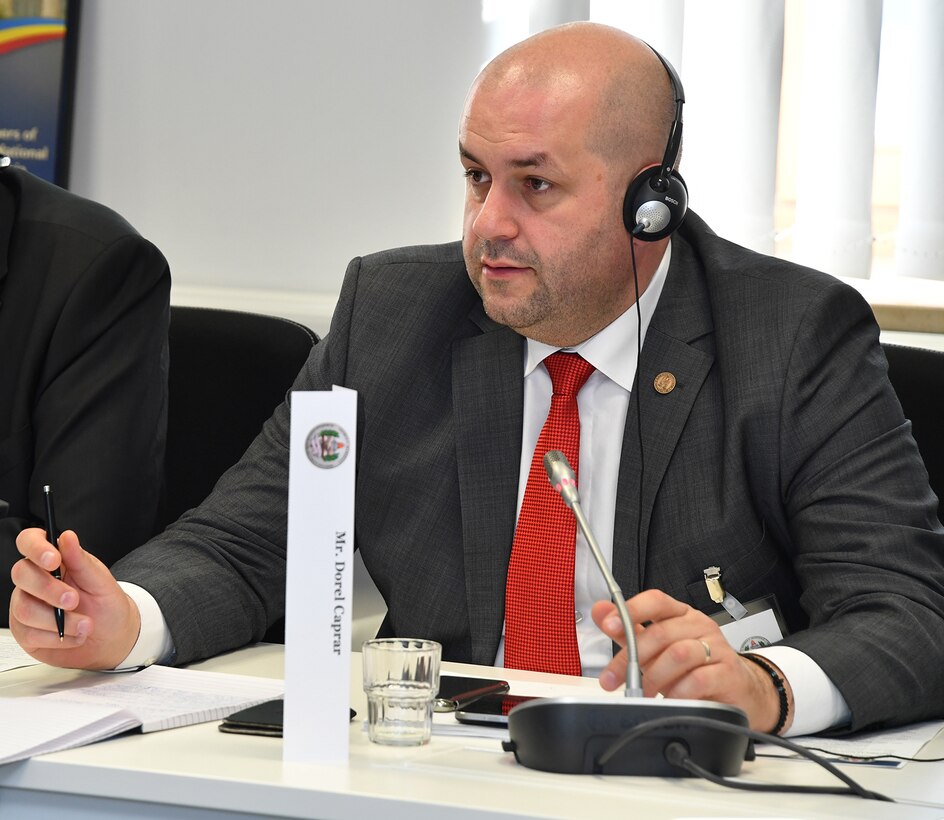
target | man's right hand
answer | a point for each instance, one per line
(101, 621)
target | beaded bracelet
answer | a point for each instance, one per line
(778, 685)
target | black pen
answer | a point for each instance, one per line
(53, 535)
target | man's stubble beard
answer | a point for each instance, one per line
(554, 316)
(524, 312)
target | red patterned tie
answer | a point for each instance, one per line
(540, 630)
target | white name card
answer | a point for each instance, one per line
(318, 585)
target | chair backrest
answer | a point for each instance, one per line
(917, 374)
(228, 371)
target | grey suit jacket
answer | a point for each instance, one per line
(782, 455)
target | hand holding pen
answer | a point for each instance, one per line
(103, 621)
(53, 535)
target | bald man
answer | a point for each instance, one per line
(779, 452)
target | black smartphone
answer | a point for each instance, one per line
(456, 691)
(263, 719)
(491, 710)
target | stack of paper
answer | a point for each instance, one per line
(155, 698)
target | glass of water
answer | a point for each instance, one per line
(401, 679)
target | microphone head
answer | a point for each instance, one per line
(561, 476)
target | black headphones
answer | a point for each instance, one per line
(657, 200)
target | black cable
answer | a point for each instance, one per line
(642, 468)
(866, 758)
(683, 758)
(677, 754)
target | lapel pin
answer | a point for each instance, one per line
(664, 382)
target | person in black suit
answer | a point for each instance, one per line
(84, 311)
(774, 443)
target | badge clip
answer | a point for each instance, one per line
(716, 590)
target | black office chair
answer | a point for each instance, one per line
(917, 374)
(228, 371)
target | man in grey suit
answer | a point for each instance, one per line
(761, 435)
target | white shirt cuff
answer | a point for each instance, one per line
(817, 703)
(154, 644)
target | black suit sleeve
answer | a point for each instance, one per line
(98, 421)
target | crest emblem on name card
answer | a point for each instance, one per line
(327, 445)
(754, 642)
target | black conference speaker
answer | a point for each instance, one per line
(572, 735)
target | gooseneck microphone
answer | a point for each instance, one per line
(563, 479)
(641, 736)
(586, 735)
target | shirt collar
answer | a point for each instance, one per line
(612, 350)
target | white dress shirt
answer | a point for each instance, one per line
(603, 403)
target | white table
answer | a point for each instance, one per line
(199, 772)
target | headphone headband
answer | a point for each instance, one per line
(674, 144)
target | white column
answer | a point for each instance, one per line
(732, 57)
(920, 246)
(836, 144)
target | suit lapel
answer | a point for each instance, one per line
(488, 395)
(682, 317)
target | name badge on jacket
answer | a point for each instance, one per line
(749, 626)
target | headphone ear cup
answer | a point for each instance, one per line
(663, 210)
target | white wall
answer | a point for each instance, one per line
(262, 145)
